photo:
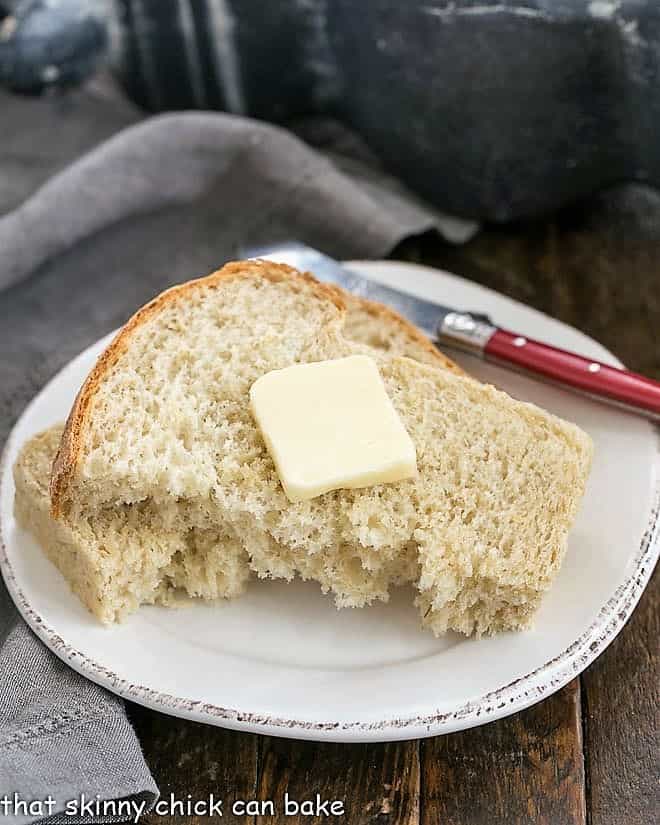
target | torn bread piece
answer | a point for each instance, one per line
(163, 421)
(119, 559)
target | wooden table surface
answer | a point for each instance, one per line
(588, 754)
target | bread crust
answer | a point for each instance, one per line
(70, 447)
(389, 316)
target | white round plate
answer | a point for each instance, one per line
(282, 660)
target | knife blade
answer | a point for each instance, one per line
(424, 314)
(475, 333)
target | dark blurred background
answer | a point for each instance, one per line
(489, 110)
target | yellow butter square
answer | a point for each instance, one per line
(331, 425)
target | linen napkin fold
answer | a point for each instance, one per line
(67, 748)
(164, 200)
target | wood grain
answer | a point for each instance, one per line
(192, 761)
(595, 265)
(521, 770)
(378, 783)
(620, 708)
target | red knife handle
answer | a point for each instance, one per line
(592, 377)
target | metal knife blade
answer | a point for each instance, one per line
(428, 316)
(475, 333)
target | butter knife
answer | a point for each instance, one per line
(475, 333)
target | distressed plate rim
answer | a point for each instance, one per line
(514, 696)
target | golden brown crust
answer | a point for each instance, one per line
(69, 451)
(389, 316)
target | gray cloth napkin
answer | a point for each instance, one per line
(161, 201)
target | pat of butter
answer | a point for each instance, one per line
(331, 425)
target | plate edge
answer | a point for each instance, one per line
(503, 701)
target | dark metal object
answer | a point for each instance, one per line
(491, 109)
(50, 44)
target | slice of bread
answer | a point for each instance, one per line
(163, 423)
(119, 560)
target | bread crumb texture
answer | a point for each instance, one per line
(163, 484)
